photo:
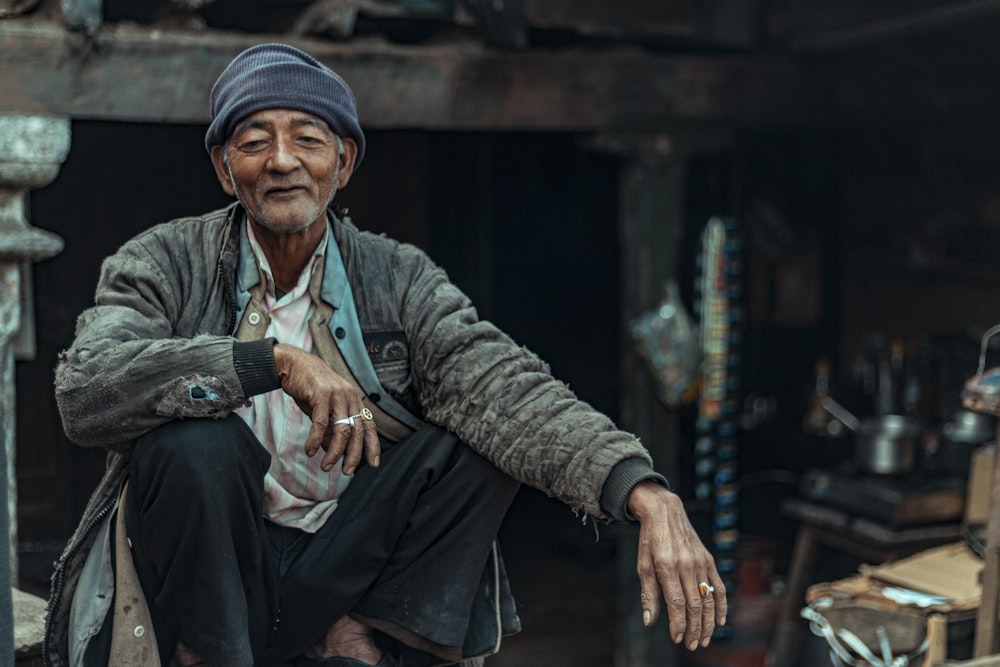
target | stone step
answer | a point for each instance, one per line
(29, 628)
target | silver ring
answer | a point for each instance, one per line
(704, 589)
(365, 414)
(348, 420)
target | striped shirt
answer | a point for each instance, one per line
(297, 492)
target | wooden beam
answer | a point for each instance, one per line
(145, 74)
(599, 17)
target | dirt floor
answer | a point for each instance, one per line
(566, 587)
(563, 581)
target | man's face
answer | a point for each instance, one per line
(284, 167)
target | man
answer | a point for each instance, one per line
(313, 437)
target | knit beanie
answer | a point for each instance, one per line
(278, 76)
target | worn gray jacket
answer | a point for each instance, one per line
(166, 309)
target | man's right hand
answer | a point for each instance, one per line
(324, 396)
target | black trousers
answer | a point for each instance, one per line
(405, 549)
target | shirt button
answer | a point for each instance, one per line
(139, 631)
(339, 332)
(254, 319)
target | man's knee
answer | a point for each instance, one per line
(187, 449)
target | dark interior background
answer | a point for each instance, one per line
(851, 234)
(525, 223)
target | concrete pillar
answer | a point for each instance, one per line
(32, 149)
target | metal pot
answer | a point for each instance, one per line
(972, 427)
(966, 432)
(885, 445)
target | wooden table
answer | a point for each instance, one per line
(868, 540)
(857, 605)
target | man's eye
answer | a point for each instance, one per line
(253, 145)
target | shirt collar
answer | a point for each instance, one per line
(265, 273)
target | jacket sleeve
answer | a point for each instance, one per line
(138, 360)
(502, 399)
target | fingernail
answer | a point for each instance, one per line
(326, 467)
(678, 639)
(722, 622)
(349, 471)
(375, 462)
(692, 646)
(705, 641)
(647, 617)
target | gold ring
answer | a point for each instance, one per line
(704, 589)
(366, 414)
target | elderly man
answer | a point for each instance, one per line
(313, 438)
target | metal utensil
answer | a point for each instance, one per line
(841, 413)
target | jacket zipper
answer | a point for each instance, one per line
(60, 581)
(227, 284)
(230, 295)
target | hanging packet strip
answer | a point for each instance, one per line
(667, 340)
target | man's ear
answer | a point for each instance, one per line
(347, 159)
(221, 170)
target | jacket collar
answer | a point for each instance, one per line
(335, 286)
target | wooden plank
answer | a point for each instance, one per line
(987, 640)
(988, 661)
(720, 24)
(599, 17)
(143, 74)
(937, 639)
(866, 23)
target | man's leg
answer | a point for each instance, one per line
(193, 514)
(404, 551)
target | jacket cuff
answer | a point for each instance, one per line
(620, 482)
(254, 363)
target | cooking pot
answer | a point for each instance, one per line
(884, 445)
(887, 445)
(972, 427)
(966, 431)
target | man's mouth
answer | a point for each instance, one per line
(286, 190)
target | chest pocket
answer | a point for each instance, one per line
(388, 350)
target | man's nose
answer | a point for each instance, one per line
(283, 156)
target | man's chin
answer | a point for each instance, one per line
(287, 224)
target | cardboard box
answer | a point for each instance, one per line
(977, 497)
(951, 571)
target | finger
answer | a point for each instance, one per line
(707, 621)
(693, 611)
(649, 592)
(373, 448)
(336, 443)
(317, 433)
(355, 444)
(721, 601)
(676, 601)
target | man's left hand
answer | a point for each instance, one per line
(327, 398)
(673, 564)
